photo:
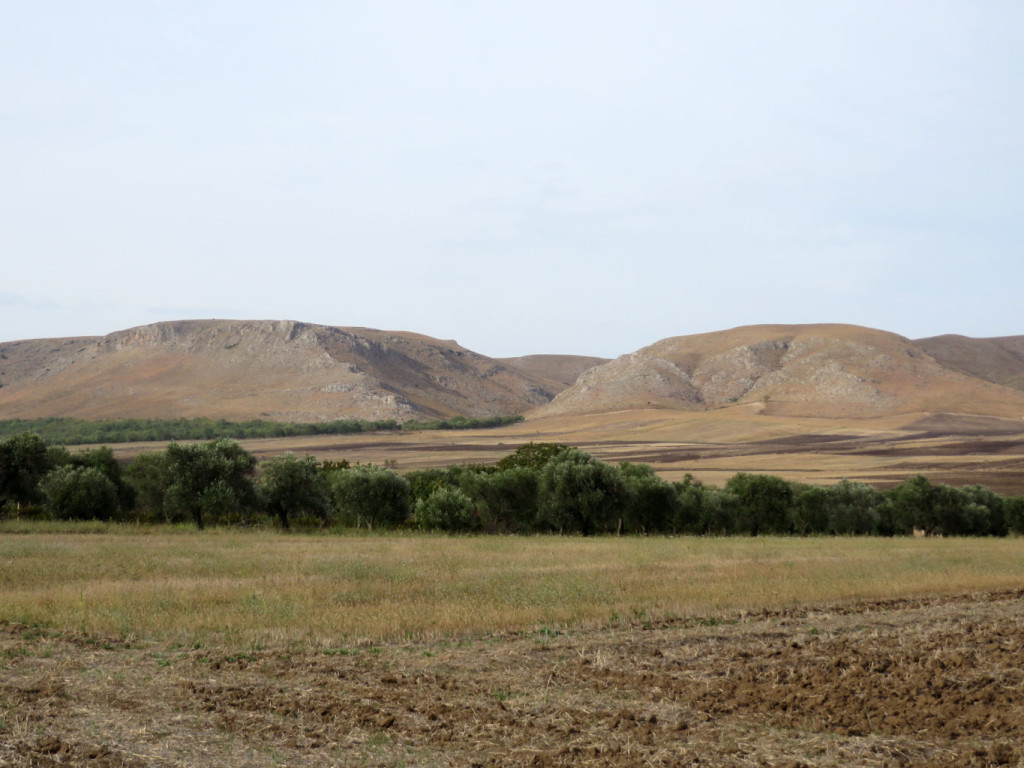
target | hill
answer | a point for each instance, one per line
(293, 371)
(553, 372)
(275, 370)
(817, 371)
(999, 360)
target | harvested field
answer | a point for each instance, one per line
(926, 682)
(712, 446)
(929, 677)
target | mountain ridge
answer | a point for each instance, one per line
(288, 370)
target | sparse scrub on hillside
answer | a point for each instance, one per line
(543, 488)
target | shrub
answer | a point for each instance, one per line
(446, 509)
(79, 493)
(765, 503)
(579, 494)
(369, 496)
(290, 486)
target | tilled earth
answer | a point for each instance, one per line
(928, 682)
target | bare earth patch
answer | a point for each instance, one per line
(923, 682)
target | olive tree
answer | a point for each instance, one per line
(24, 459)
(579, 494)
(290, 485)
(370, 496)
(210, 479)
(80, 493)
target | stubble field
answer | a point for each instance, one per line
(120, 648)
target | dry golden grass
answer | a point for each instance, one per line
(264, 588)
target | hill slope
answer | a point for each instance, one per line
(280, 370)
(999, 360)
(821, 371)
(553, 372)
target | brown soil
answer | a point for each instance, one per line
(930, 682)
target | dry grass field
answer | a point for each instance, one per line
(134, 648)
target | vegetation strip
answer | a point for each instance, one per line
(68, 431)
(539, 488)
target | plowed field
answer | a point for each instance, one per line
(924, 682)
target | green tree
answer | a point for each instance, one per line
(211, 479)
(912, 501)
(149, 474)
(423, 482)
(80, 493)
(579, 494)
(506, 499)
(24, 460)
(765, 503)
(446, 509)
(943, 510)
(810, 511)
(854, 508)
(290, 485)
(370, 496)
(1014, 509)
(103, 460)
(652, 505)
(531, 455)
(690, 511)
(994, 504)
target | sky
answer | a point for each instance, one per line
(574, 177)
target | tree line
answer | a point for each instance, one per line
(538, 488)
(68, 431)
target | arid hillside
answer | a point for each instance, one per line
(292, 371)
(818, 371)
(999, 360)
(553, 372)
(280, 370)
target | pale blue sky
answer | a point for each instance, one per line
(528, 177)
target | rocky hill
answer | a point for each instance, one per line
(279, 370)
(292, 371)
(827, 371)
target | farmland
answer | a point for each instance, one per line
(167, 647)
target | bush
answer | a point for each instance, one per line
(24, 460)
(1014, 510)
(149, 475)
(290, 486)
(579, 494)
(652, 504)
(80, 493)
(765, 503)
(446, 509)
(369, 496)
(211, 481)
(853, 508)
